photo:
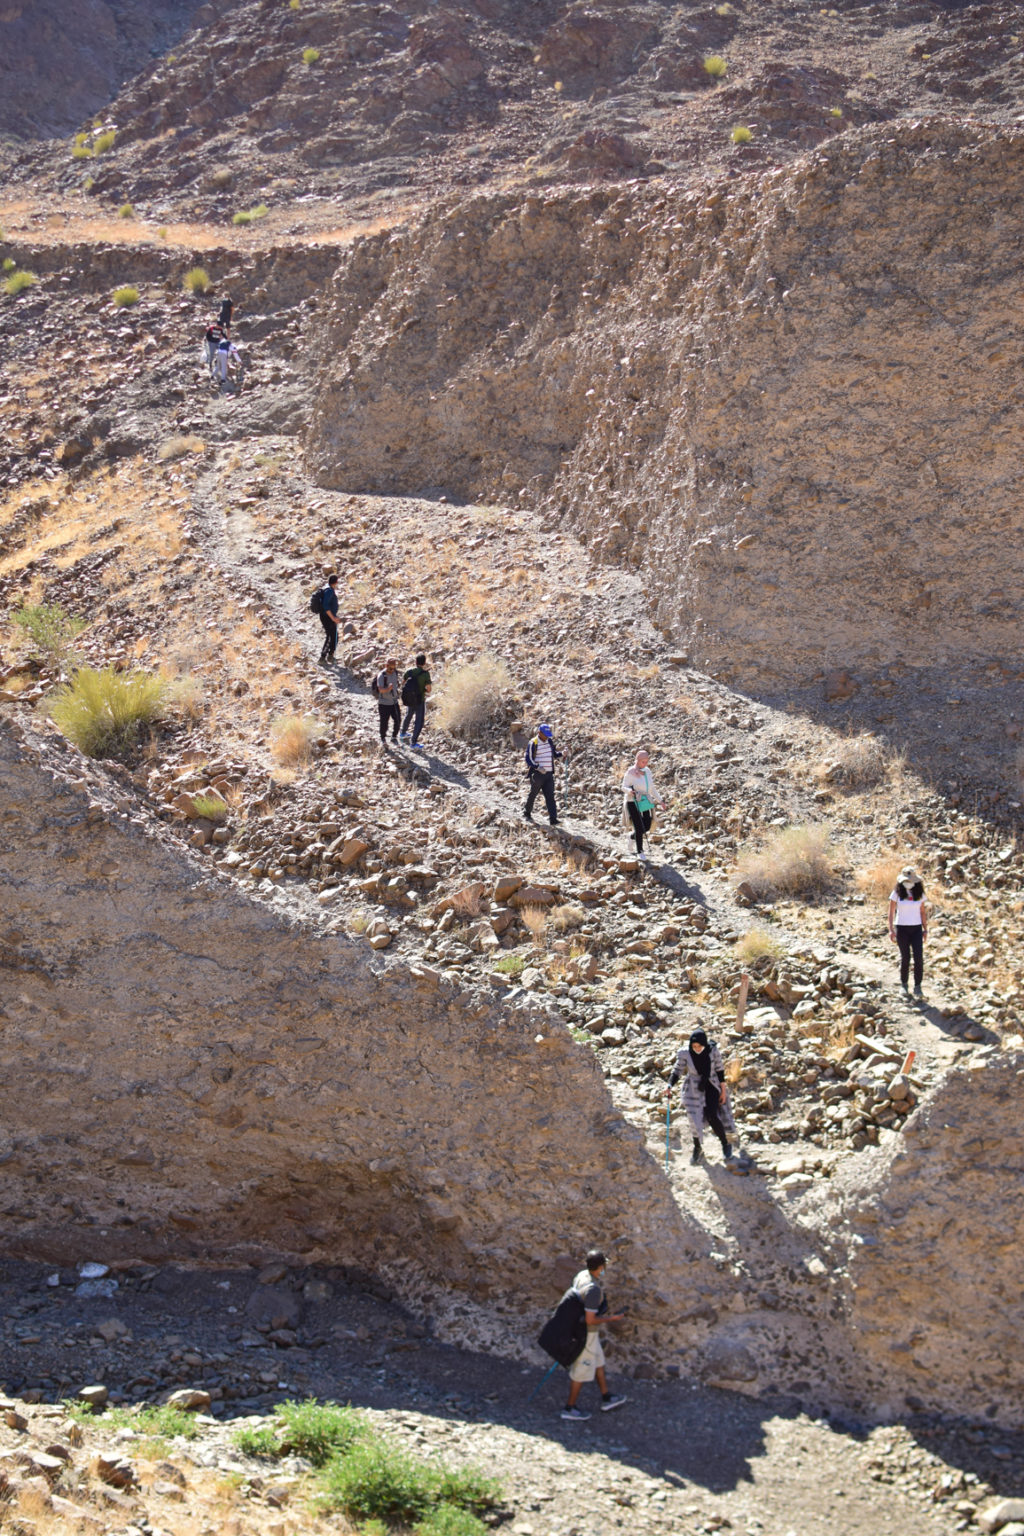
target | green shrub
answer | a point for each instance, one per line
(150, 1419)
(49, 626)
(376, 1481)
(18, 282)
(104, 141)
(89, 183)
(197, 280)
(211, 808)
(715, 66)
(295, 5)
(126, 211)
(741, 135)
(103, 711)
(9, 263)
(510, 965)
(467, 1488)
(125, 297)
(250, 215)
(319, 1431)
(81, 152)
(310, 55)
(261, 1442)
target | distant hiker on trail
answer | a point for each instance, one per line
(908, 925)
(227, 309)
(416, 685)
(326, 605)
(212, 339)
(225, 359)
(386, 686)
(541, 756)
(639, 798)
(704, 1094)
(590, 1362)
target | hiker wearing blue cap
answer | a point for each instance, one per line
(541, 755)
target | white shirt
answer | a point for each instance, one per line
(639, 780)
(543, 755)
(908, 913)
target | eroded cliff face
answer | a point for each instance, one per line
(194, 1074)
(792, 402)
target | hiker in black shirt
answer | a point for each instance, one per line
(329, 620)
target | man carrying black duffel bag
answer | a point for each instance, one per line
(572, 1336)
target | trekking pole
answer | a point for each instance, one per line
(668, 1127)
(546, 1377)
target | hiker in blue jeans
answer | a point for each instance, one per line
(415, 686)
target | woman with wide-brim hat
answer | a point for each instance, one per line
(908, 925)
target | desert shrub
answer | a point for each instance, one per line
(9, 264)
(741, 135)
(250, 215)
(103, 711)
(125, 297)
(566, 917)
(797, 861)
(510, 965)
(104, 141)
(856, 762)
(467, 903)
(222, 178)
(757, 946)
(262, 1442)
(835, 111)
(295, 5)
(81, 152)
(126, 211)
(318, 1430)
(310, 55)
(177, 447)
(18, 282)
(475, 696)
(88, 183)
(291, 739)
(715, 66)
(151, 1419)
(197, 280)
(374, 1481)
(49, 626)
(535, 920)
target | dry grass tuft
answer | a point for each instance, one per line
(856, 762)
(758, 945)
(565, 918)
(177, 447)
(291, 740)
(878, 880)
(476, 696)
(197, 280)
(104, 711)
(797, 861)
(536, 920)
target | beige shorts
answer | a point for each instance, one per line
(587, 1364)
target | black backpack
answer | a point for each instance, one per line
(411, 691)
(564, 1335)
(316, 602)
(374, 686)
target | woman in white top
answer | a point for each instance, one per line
(908, 925)
(639, 797)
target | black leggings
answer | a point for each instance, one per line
(910, 938)
(330, 644)
(641, 823)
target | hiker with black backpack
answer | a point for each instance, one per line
(386, 686)
(541, 755)
(572, 1336)
(705, 1096)
(324, 602)
(416, 685)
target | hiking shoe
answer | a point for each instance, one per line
(403, 736)
(613, 1400)
(918, 992)
(555, 822)
(527, 815)
(418, 746)
(576, 1415)
(728, 1153)
(695, 1156)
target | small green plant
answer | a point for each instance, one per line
(211, 808)
(103, 711)
(89, 183)
(50, 628)
(125, 297)
(18, 282)
(81, 152)
(151, 1419)
(126, 211)
(263, 1442)
(510, 965)
(9, 263)
(104, 141)
(741, 135)
(310, 55)
(319, 1430)
(161, 233)
(250, 215)
(197, 280)
(835, 111)
(295, 5)
(715, 66)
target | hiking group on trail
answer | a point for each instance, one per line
(220, 354)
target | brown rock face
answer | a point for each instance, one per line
(798, 385)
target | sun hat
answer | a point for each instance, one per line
(909, 875)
